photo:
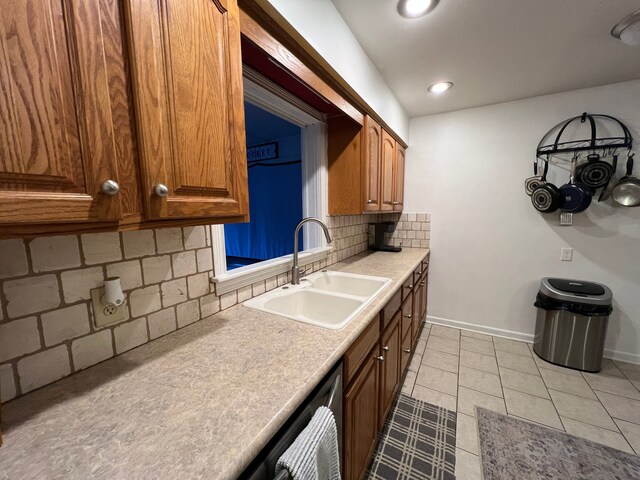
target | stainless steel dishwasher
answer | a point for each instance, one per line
(327, 393)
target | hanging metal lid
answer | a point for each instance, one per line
(555, 140)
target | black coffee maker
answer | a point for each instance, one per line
(379, 242)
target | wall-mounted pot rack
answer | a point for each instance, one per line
(552, 142)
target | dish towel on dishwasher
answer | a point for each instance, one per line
(314, 454)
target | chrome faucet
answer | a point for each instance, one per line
(295, 269)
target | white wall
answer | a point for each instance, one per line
(322, 26)
(490, 247)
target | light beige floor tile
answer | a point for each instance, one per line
(516, 362)
(441, 360)
(436, 379)
(532, 408)
(523, 382)
(550, 366)
(445, 332)
(633, 377)
(476, 335)
(421, 346)
(621, 407)
(610, 368)
(582, 409)
(434, 397)
(467, 433)
(626, 366)
(414, 364)
(596, 434)
(511, 346)
(480, 381)
(467, 466)
(567, 383)
(424, 335)
(409, 382)
(616, 385)
(445, 345)
(486, 363)
(478, 346)
(631, 431)
(468, 399)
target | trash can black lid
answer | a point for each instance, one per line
(576, 286)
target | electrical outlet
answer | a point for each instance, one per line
(566, 255)
(106, 314)
(566, 218)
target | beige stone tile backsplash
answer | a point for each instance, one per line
(47, 330)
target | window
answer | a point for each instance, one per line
(287, 162)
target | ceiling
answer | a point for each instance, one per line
(493, 50)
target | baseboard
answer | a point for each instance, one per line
(523, 337)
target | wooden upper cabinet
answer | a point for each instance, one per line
(187, 75)
(398, 178)
(388, 150)
(61, 106)
(372, 160)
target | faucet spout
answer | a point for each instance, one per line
(295, 269)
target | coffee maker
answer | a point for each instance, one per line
(379, 242)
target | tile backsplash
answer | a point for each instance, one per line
(47, 330)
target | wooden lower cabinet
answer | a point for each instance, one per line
(361, 418)
(390, 372)
(373, 379)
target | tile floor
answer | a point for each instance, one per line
(458, 370)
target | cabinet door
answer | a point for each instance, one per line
(386, 181)
(424, 284)
(58, 113)
(415, 320)
(361, 418)
(407, 345)
(398, 178)
(187, 73)
(390, 371)
(372, 164)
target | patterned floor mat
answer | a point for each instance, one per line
(418, 442)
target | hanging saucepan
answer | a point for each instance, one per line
(531, 183)
(627, 190)
(576, 197)
(595, 173)
(546, 197)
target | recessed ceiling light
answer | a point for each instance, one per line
(628, 29)
(440, 87)
(415, 8)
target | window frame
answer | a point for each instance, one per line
(263, 93)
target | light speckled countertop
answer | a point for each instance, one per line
(198, 403)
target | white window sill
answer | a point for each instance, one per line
(250, 274)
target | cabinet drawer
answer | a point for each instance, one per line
(392, 306)
(355, 356)
(407, 287)
(406, 353)
(407, 311)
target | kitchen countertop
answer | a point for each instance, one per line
(200, 402)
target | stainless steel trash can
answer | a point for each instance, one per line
(571, 324)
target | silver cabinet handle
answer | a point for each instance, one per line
(408, 286)
(406, 351)
(381, 358)
(109, 187)
(385, 348)
(369, 201)
(395, 203)
(161, 190)
(407, 316)
(422, 284)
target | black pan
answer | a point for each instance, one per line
(606, 190)
(576, 196)
(595, 173)
(531, 183)
(546, 197)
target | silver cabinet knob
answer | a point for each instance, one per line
(369, 201)
(161, 190)
(396, 203)
(109, 187)
(385, 348)
(407, 316)
(422, 284)
(408, 286)
(380, 358)
(406, 351)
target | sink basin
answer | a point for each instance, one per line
(325, 299)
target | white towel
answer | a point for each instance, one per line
(314, 454)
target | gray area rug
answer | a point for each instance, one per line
(418, 442)
(513, 448)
